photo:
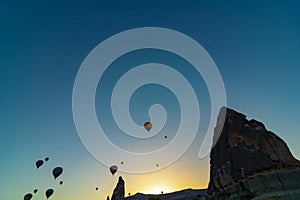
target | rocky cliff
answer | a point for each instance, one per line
(119, 191)
(249, 162)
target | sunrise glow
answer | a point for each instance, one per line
(158, 189)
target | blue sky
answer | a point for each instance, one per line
(255, 44)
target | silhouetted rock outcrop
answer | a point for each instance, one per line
(249, 161)
(119, 191)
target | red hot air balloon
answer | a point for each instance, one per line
(148, 126)
(113, 169)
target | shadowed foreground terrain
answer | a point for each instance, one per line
(247, 162)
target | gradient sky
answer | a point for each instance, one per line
(255, 44)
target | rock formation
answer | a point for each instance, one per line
(249, 161)
(119, 191)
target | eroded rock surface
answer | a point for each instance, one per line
(249, 161)
(119, 191)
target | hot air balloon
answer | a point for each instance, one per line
(28, 196)
(97, 188)
(122, 162)
(57, 171)
(46, 159)
(61, 182)
(148, 126)
(35, 191)
(39, 163)
(113, 169)
(166, 137)
(49, 193)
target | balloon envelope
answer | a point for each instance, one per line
(61, 182)
(113, 169)
(35, 191)
(57, 171)
(39, 163)
(28, 196)
(46, 159)
(148, 126)
(49, 193)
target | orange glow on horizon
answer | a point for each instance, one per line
(157, 189)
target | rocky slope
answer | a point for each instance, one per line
(247, 162)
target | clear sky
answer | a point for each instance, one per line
(255, 44)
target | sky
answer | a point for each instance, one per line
(255, 45)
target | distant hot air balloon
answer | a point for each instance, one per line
(49, 193)
(97, 188)
(57, 171)
(113, 169)
(122, 162)
(166, 137)
(46, 159)
(157, 165)
(39, 163)
(61, 182)
(35, 191)
(28, 196)
(148, 126)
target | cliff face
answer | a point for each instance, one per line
(250, 160)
